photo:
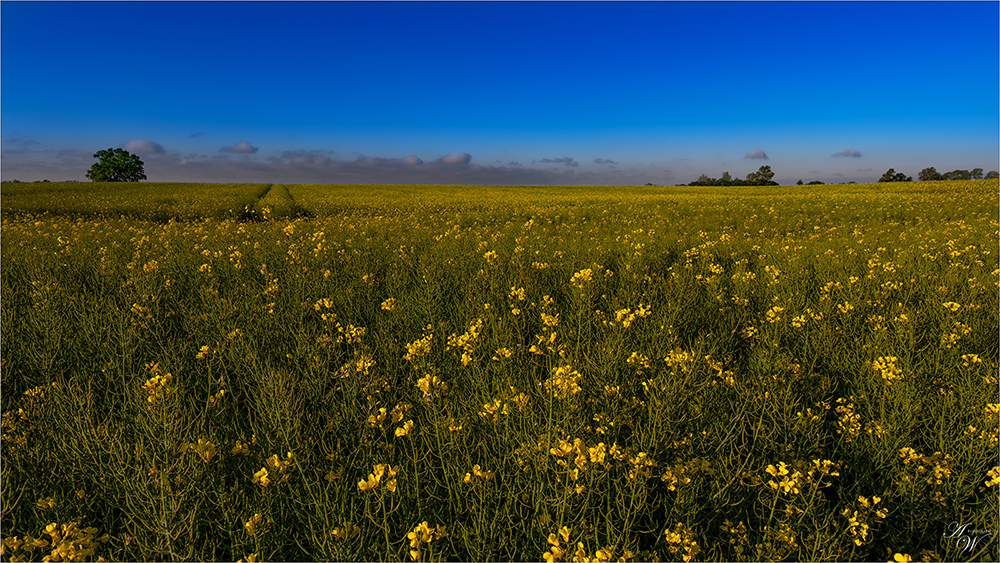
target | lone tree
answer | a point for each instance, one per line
(892, 176)
(116, 165)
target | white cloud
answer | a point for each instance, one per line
(564, 160)
(143, 147)
(456, 158)
(847, 152)
(759, 153)
(241, 147)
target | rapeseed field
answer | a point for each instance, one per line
(322, 372)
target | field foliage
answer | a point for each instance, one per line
(305, 372)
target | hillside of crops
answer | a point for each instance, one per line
(561, 373)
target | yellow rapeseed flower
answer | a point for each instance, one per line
(261, 478)
(580, 278)
(993, 477)
(404, 429)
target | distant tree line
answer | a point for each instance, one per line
(930, 175)
(761, 177)
(976, 174)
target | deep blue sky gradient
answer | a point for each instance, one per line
(665, 90)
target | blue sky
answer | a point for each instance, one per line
(499, 92)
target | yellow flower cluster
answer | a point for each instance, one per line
(278, 468)
(680, 541)
(641, 464)
(362, 365)
(389, 304)
(848, 421)
(681, 472)
(949, 339)
(518, 294)
(580, 278)
(857, 521)
(601, 555)
(324, 303)
(886, 366)
(422, 534)
(638, 360)
(251, 525)
(404, 429)
(350, 334)
(969, 359)
(380, 472)
(421, 347)
(477, 472)
(563, 383)
(502, 353)
(993, 476)
(213, 399)
(68, 541)
(549, 343)
(466, 341)
(396, 415)
(556, 551)
(625, 317)
(774, 314)
(581, 454)
(492, 408)
(789, 480)
(158, 386)
(550, 321)
(936, 467)
(431, 386)
(680, 359)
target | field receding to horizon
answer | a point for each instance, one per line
(415, 372)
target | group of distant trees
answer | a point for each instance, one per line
(930, 175)
(761, 177)
(977, 173)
